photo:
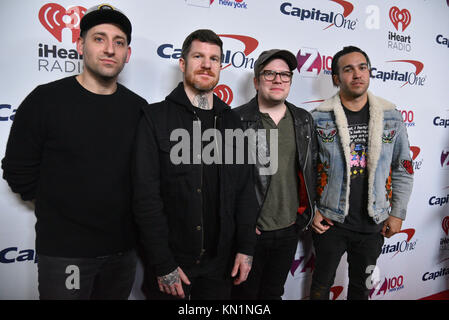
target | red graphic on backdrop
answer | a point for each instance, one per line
(445, 225)
(336, 291)
(347, 9)
(415, 151)
(250, 43)
(55, 18)
(402, 16)
(418, 65)
(224, 93)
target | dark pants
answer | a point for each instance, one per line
(108, 277)
(274, 254)
(209, 280)
(362, 251)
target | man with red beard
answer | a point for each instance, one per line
(196, 218)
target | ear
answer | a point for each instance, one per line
(79, 45)
(182, 65)
(128, 55)
(336, 80)
(256, 83)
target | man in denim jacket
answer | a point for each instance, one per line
(365, 176)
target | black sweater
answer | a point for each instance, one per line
(70, 150)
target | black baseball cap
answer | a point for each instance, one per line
(265, 56)
(105, 13)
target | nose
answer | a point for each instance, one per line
(356, 74)
(206, 63)
(277, 78)
(109, 47)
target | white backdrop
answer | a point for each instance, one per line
(407, 42)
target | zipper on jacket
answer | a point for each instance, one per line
(312, 210)
(201, 190)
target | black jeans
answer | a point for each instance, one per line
(272, 260)
(362, 249)
(108, 277)
(209, 280)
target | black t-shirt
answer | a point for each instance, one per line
(358, 218)
(210, 188)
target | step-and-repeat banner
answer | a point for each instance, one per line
(407, 42)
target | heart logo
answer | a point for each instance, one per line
(55, 18)
(224, 93)
(402, 16)
(445, 225)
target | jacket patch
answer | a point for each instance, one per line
(322, 169)
(388, 189)
(388, 137)
(327, 137)
(407, 165)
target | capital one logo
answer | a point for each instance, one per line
(56, 18)
(400, 16)
(412, 78)
(224, 93)
(310, 62)
(401, 246)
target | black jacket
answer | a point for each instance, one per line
(306, 146)
(167, 197)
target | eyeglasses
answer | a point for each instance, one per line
(270, 75)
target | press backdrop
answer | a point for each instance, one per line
(407, 42)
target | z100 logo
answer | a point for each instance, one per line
(307, 265)
(238, 59)
(12, 254)
(310, 63)
(55, 18)
(408, 117)
(392, 284)
(445, 158)
(339, 20)
(7, 112)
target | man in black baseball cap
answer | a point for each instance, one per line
(105, 13)
(81, 182)
(269, 55)
(286, 195)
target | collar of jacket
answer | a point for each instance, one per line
(252, 113)
(377, 107)
(179, 96)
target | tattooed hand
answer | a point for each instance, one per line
(172, 283)
(242, 266)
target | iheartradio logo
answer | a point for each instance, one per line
(445, 225)
(55, 18)
(224, 93)
(403, 16)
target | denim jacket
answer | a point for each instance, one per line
(389, 164)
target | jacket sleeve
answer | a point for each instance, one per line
(246, 210)
(148, 206)
(401, 173)
(22, 161)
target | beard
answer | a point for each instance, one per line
(201, 86)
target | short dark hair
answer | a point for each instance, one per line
(203, 35)
(339, 54)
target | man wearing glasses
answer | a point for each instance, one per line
(285, 197)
